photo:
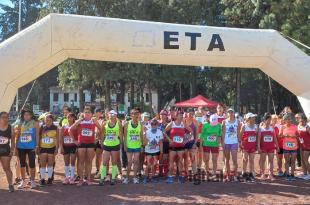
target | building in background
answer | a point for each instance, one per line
(70, 97)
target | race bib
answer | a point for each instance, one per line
(68, 140)
(232, 135)
(251, 139)
(177, 139)
(110, 137)
(301, 140)
(134, 138)
(268, 138)
(290, 145)
(211, 138)
(4, 140)
(87, 132)
(47, 140)
(25, 138)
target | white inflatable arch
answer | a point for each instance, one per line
(53, 39)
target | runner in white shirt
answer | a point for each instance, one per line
(153, 149)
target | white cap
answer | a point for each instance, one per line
(112, 112)
(249, 115)
(213, 120)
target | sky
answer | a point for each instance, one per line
(6, 2)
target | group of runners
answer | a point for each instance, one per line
(173, 144)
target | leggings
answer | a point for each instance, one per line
(31, 157)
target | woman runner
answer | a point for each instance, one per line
(86, 144)
(48, 149)
(230, 130)
(7, 146)
(289, 132)
(248, 136)
(164, 160)
(68, 148)
(112, 138)
(133, 132)
(304, 139)
(210, 139)
(267, 142)
(27, 146)
(153, 149)
(177, 130)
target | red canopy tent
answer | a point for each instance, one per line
(197, 102)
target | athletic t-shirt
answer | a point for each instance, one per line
(210, 134)
(153, 139)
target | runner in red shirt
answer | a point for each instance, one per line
(177, 130)
(304, 140)
(86, 143)
(267, 142)
(248, 144)
(68, 148)
(277, 123)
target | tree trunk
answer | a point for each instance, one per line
(81, 99)
(107, 94)
(238, 82)
(132, 94)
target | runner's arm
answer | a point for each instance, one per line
(223, 132)
(38, 133)
(61, 138)
(258, 140)
(167, 129)
(12, 141)
(57, 141)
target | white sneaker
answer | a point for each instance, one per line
(135, 180)
(301, 176)
(125, 180)
(33, 184)
(21, 185)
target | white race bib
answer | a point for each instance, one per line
(47, 140)
(4, 140)
(177, 139)
(134, 138)
(251, 139)
(232, 135)
(290, 145)
(268, 138)
(87, 132)
(212, 138)
(25, 138)
(68, 140)
(110, 137)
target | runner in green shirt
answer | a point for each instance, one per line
(210, 140)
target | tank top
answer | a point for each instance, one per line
(231, 134)
(68, 141)
(5, 137)
(133, 136)
(177, 134)
(304, 137)
(111, 135)
(249, 137)
(87, 132)
(27, 138)
(48, 136)
(267, 138)
(217, 119)
(289, 137)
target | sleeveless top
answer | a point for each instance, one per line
(304, 137)
(111, 134)
(177, 134)
(267, 138)
(5, 137)
(27, 138)
(133, 136)
(249, 137)
(87, 132)
(48, 136)
(68, 141)
(231, 134)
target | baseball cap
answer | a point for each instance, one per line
(249, 115)
(112, 112)
(230, 110)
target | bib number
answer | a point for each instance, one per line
(110, 137)
(47, 140)
(134, 137)
(177, 139)
(25, 138)
(4, 140)
(68, 140)
(87, 132)
(211, 138)
(251, 139)
(291, 145)
(268, 138)
(232, 135)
